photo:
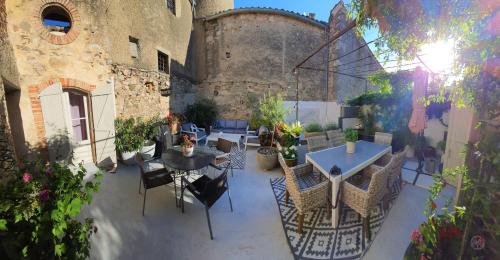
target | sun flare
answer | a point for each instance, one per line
(439, 56)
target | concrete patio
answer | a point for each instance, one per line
(252, 231)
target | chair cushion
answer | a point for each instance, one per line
(360, 182)
(230, 123)
(153, 165)
(308, 180)
(241, 124)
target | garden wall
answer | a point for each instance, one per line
(314, 112)
(138, 92)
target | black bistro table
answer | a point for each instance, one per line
(202, 157)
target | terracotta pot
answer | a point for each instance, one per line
(291, 162)
(350, 147)
(173, 128)
(187, 151)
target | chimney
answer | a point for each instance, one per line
(311, 15)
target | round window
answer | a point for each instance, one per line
(56, 19)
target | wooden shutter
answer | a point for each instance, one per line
(103, 113)
(55, 121)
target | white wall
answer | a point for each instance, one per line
(314, 111)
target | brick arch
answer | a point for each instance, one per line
(36, 106)
(69, 7)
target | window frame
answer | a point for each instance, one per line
(166, 62)
(172, 6)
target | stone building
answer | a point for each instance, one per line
(69, 68)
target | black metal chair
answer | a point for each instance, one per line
(207, 191)
(153, 174)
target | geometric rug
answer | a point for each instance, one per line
(238, 157)
(319, 240)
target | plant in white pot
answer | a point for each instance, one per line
(351, 136)
(149, 129)
(187, 146)
(127, 140)
(271, 112)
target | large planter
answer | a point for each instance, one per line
(128, 158)
(267, 158)
(174, 128)
(350, 147)
(148, 150)
(311, 134)
(430, 164)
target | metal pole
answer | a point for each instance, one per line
(351, 25)
(296, 71)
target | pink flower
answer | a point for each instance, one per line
(44, 195)
(416, 236)
(26, 177)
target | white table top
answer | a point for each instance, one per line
(365, 154)
(235, 138)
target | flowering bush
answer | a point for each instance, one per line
(38, 211)
(187, 142)
(439, 237)
(289, 153)
(173, 118)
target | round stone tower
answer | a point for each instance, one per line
(206, 8)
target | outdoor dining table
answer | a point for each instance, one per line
(202, 157)
(365, 154)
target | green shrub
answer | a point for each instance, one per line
(149, 129)
(272, 110)
(313, 127)
(39, 211)
(203, 112)
(331, 126)
(128, 137)
(351, 135)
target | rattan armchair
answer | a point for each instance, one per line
(383, 138)
(363, 197)
(335, 137)
(316, 143)
(224, 146)
(306, 189)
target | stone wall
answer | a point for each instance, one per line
(343, 87)
(137, 92)
(255, 52)
(7, 155)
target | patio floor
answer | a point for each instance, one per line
(252, 231)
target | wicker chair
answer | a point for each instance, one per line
(306, 189)
(383, 138)
(335, 137)
(316, 143)
(363, 197)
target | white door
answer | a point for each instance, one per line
(103, 112)
(55, 119)
(76, 105)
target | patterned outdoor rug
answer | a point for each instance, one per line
(238, 157)
(319, 239)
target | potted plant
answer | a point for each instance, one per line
(351, 136)
(313, 129)
(331, 126)
(187, 146)
(150, 130)
(272, 111)
(290, 155)
(127, 140)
